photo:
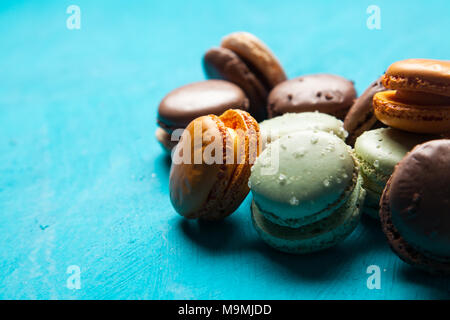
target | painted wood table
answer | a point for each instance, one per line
(84, 206)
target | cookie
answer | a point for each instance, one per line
(415, 207)
(211, 165)
(312, 198)
(420, 99)
(360, 117)
(326, 93)
(182, 105)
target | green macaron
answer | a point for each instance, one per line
(378, 151)
(289, 123)
(307, 192)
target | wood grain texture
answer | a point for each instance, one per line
(84, 182)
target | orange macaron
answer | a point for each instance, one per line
(419, 96)
(211, 165)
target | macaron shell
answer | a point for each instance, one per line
(401, 247)
(424, 75)
(412, 118)
(325, 93)
(254, 51)
(195, 189)
(315, 176)
(164, 138)
(316, 236)
(420, 198)
(247, 138)
(360, 117)
(383, 148)
(222, 63)
(182, 105)
(372, 203)
(289, 123)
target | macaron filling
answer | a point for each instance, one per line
(310, 217)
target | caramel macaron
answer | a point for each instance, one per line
(415, 207)
(248, 62)
(326, 93)
(211, 165)
(182, 105)
(419, 99)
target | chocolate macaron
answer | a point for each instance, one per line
(415, 207)
(222, 63)
(246, 61)
(360, 117)
(326, 93)
(182, 105)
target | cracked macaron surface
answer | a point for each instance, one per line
(208, 177)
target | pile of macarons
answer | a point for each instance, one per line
(314, 155)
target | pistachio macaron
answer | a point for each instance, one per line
(307, 192)
(378, 151)
(288, 123)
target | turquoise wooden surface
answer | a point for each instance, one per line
(83, 181)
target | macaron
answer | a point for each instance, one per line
(222, 63)
(211, 165)
(288, 123)
(378, 151)
(415, 207)
(257, 54)
(182, 105)
(246, 61)
(420, 97)
(360, 117)
(326, 93)
(307, 192)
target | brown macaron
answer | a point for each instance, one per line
(415, 207)
(246, 61)
(255, 53)
(222, 63)
(211, 165)
(326, 93)
(360, 117)
(182, 105)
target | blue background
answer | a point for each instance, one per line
(84, 182)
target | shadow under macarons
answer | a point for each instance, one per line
(438, 287)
